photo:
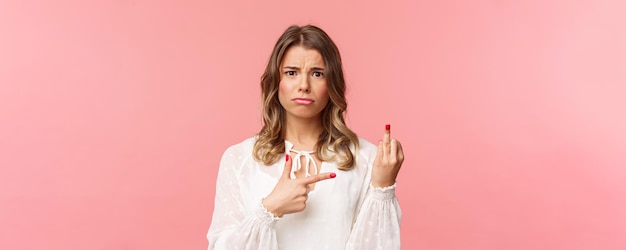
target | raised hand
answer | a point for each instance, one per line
(388, 160)
(290, 195)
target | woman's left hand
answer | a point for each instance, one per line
(388, 160)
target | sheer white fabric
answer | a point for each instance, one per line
(341, 213)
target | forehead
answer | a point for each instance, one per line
(299, 55)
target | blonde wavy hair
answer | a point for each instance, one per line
(336, 140)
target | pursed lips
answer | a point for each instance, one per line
(302, 100)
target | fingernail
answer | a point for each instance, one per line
(286, 157)
(387, 127)
(333, 175)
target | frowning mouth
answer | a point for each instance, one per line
(303, 101)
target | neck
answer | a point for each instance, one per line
(303, 133)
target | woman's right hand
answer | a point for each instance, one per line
(290, 195)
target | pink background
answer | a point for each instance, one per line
(114, 114)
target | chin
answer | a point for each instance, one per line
(306, 115)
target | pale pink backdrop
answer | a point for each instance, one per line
(114, 114)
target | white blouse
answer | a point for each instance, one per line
(341, 213)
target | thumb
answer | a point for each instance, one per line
(287, 169)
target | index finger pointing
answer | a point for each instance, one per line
(319, 177)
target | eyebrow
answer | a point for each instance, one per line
(312, 68)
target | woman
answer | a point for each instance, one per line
(306, 181)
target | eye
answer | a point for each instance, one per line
(318, 74)
(290, 73)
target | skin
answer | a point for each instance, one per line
(302, 76)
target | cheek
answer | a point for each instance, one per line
(323, 91)
(282, 88)
(283, 91)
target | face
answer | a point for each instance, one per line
(302, 91)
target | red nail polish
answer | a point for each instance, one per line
(387, 127)
(333, 175)
(286, 157)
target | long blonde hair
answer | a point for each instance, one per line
(336, 139)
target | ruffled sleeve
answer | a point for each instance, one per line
(377, 223)
(233, 226)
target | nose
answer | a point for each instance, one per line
(305, 85)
